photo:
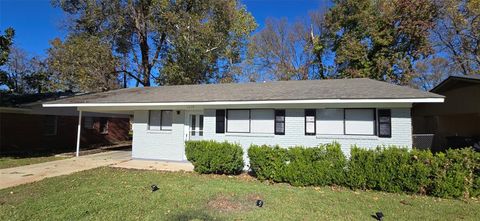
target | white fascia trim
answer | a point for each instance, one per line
(317, 101)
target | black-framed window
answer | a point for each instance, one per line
(160, 120)
(384, 123)
(310, 122)
(220, 121)
(279, 122)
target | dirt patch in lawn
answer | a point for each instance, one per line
(228, 204)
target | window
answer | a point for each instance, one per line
(310, 126)
(160, 120)
(88, 123)
(50, 125)
(200, 125)
(103, 125)
(280, 122)
(193, 125)
(360, 121)
(330, 121)
(238, 121)
(166, 120)
(384, 123)
(220, 121)
(262, 121)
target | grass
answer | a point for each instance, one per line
(7, 161)
(117, 194)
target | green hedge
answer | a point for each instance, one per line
(455, 173)
(299, 166)
(389, 169)
(215, 157)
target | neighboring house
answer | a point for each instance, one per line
(25, 125)
(360, 112)
(455, 123)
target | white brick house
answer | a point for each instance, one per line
(359, 112)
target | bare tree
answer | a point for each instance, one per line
(457, 34)
(283, 51)
(17, 68)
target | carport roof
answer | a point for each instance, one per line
(335, 89)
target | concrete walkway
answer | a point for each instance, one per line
(155, 165)
(30, 173)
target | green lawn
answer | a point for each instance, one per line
(7, 162)
(116, 194)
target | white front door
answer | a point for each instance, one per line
(194, 126)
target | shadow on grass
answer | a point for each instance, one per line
(191, 215)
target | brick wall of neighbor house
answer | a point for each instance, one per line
(25, 132)
(169, 145)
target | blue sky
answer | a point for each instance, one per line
(36, 22)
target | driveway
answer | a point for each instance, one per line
(35, 172)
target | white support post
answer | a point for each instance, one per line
(79, 128)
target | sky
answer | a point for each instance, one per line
(37, 22)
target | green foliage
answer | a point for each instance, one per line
(215, 157)
(6, 41)
(82, 63)
(389, 169)
(299, 166)
(268, 163)
(455, 173)
(190, 42)
(380, 39)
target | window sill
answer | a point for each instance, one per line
(159, 131)
(248, 135)
(348, 137)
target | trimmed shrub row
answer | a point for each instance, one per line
(299, 166)
(455, 173)
(215, 157)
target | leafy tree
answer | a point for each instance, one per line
(380, 39)
(6, 41)
(457, 34)
(188, 41)
(39, 78)
(82, 63)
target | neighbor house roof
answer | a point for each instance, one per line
(27, 100)
(268, 91)
(456, 81)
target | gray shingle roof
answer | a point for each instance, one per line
(359, 88)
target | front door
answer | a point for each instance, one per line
(194, 126)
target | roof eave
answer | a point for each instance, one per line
(213, 103)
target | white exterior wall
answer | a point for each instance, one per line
(158, 145)
(295, 133)
(169, 145)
